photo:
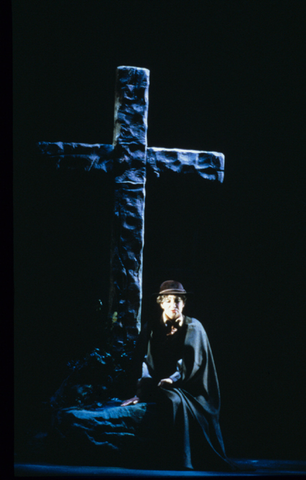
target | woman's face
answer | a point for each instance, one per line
(172, 306)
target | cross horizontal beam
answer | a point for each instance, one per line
(82, 156)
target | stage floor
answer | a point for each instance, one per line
(259, 468)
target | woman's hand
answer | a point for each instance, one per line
(130, 401)
(164, 381)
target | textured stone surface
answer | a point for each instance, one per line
(80, 156)
(131, 123)
(130, 145)
(209, 165)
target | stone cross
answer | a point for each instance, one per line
(127, 161)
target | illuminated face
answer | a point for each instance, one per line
(172, 307)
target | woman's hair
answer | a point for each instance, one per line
(161, 298)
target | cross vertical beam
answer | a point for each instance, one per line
(130, 149)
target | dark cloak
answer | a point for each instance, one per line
(190, 406)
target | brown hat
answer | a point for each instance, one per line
(171, 287)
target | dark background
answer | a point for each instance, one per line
(226, 76)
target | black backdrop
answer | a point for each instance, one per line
(225, 76)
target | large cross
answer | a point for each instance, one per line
(128, 160)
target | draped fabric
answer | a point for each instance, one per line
(189, 406)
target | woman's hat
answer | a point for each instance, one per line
(171, 287)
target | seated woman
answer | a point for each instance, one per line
(173, 419)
